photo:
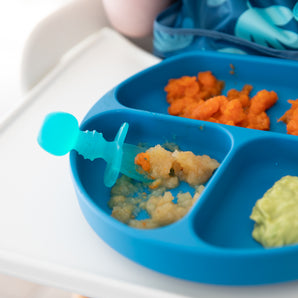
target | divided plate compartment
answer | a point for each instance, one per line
(213, 243)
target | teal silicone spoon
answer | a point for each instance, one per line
(60, 133)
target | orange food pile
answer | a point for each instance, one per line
(200, 98)
(143, 160)
(291, 118)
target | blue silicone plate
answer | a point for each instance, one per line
(213, 242)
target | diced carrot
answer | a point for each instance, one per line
(262, 101)
(190, 106)
(242, 96)
(184, 86)
(209, 85)
(291, 118)
(208, 108)
(143, 160)
(292, 127)
(289, 113)
(206, 78)
(177, 107)
(233, 112)
(200, 98)
(260, 121)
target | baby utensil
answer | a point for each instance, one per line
(60, 133)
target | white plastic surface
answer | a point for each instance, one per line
(43, 235)
(56, 34)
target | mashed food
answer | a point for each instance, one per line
(276, 214)
(167, 169)
(199, 97)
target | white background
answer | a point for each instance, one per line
(17, 20)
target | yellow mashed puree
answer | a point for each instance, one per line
(276, 214)
(167, 168)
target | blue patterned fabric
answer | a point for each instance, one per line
(268, 28)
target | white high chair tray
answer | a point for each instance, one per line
(43, 235)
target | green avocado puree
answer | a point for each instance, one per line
(276, 214)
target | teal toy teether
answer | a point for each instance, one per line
(60, 134)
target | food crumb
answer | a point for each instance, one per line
(232, 71)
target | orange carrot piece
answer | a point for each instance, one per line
(291, 118)
(184, 86)
(207, 108)
(209, 85)
(260, 121)
(143, 160)
(262, 101)
(233, 113)
(289, 113)
(242, 96)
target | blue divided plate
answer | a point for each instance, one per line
(213, 242)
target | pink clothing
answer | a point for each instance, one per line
(134, 18)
